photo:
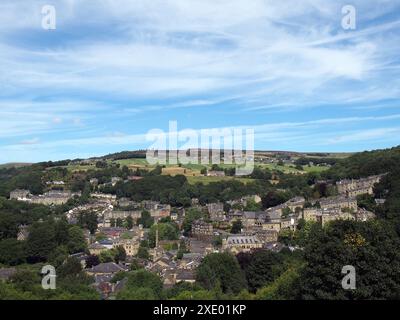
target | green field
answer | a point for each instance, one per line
(135, 161)
(14, 165)
(291, 169)
(207, 180)
(79, 167)
(143, 164)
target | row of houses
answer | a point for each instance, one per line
(326, 215)
(52, 197)
(355, 187)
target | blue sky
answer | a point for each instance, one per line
(113, 70)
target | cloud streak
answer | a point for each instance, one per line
(129, 66)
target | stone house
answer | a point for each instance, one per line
(241, 243)
(202, 230)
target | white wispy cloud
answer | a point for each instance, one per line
(143, 56)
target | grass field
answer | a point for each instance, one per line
(315, 168)
(291, 169)
(137, 162)
(14, 165)
(79, 167)
(207, 180)
(194, 169)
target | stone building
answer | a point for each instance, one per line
(104, 196)
(266, 236)
(294, 203)
(216, 211)
(340, 202)
(20, 194)
(131, 246)
(213, 173)
(96, 248)
(271, 226)
(202, 230)
(355, 187)
(241, 243)
(54, 197)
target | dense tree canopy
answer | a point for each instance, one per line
(222, 269)
(371, 247)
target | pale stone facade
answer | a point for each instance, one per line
(241, 243)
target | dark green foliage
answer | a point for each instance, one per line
(166, 231)
(190, 216)
(272, 199)
(92, 261)
(221, 268)
(12, 252)
(371, 247)
(237, 226)
(146, 220)
(41, 241)
(129, 222)
(88, 220)
(141, 285)
(120, 254)
(70, 267)
(143, 253)
(260, 267)
(367, 202)
(76, 240)
(15, 213)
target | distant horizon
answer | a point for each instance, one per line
(135, 150)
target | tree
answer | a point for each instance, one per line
(285, 212)
(92, 261)
(190, 216)
(137, 294)
(71, 267)
(119, 222)
(182, 249)
(61, 231)
(25, 280)
(217, 241)
(88, 220)
(146, 220)
(283, 288)
(107, 256)
(143, 253)
(166, 231)
(101, 164)
(12, 252)
(120, 254)
(237, 226)
(8, 225)
(58, 256)
(222, 268)
(371, 247)
(260, 267)
(251, 205)
(129, 222)
(141, 285)
(41, 241)
(273, 198)
(77, 242)
(367, 202)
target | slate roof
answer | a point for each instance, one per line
(108, 267)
